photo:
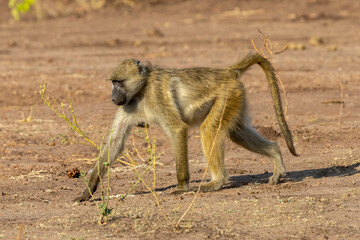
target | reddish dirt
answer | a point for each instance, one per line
(319, 199)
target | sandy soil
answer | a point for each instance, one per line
(319, 199)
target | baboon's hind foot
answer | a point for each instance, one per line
(211, 186)
(275, 178)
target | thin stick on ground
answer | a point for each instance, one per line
(21, 232)
(341, 101)
(134, 164)
(139, 177)
(145, 184)
(207, 167)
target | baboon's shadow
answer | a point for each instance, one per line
(296, 176)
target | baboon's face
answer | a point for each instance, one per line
(128, 79)
(118, 92)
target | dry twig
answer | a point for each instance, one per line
(270, 49)
(142, 180)
(341, 101)
(21, 232)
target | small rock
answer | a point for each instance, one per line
(137, 43)
(50, 191)
(154, 32)
(316, 41)
(331, 48)
(12, 43)
(113, 42)
(296, 46)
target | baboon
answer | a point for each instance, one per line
(176, 99)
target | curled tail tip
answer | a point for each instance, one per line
(293, 152)
(296, 154)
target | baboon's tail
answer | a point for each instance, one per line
(267, 67)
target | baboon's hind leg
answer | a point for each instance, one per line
(251, 140)
(213, 131)
(214, 154)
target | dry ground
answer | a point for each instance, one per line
(74, 54)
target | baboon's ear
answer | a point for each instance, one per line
(142, 68)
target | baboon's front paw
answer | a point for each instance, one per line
(83, 197)
(180, 190)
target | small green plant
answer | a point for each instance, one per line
(151, 164)
(103, 206)
(73, 123)
(17, 7)
(104, 210)
(105, 191)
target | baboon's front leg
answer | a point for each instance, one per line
(179, 140)
(114, 147)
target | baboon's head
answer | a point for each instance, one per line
(128, 79)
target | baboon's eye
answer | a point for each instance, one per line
(120, 83)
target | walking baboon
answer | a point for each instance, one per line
(177, 99)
